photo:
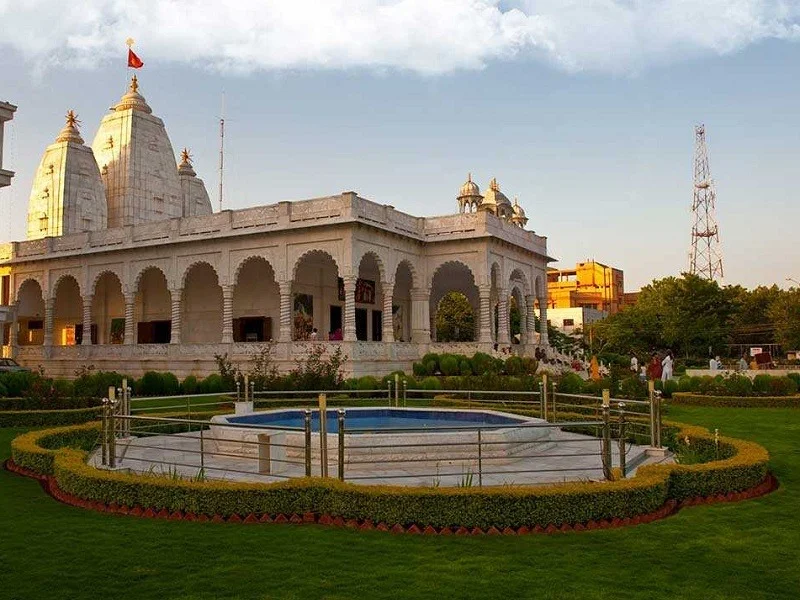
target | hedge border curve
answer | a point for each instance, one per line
(655, 492)
(692, 399)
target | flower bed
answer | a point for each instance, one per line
(60, 454)
(689, 399)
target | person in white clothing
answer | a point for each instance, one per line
(666, 367)
(713, 365)
(634, 364)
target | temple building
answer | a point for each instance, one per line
(127, 267)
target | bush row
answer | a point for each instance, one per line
(48, 418)
(479, 364)
(690, 399)
(501, 507)
(740, 385)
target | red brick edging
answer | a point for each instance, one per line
(50, 485)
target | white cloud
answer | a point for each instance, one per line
(425, 36)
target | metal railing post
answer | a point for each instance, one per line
(544, 395)
(405, 392)
(606, 443)
(252, 391)
(238, 391)
(553, 391)
(189, 412)
(622, 457)
(307, 427)
(104, 434)
(389, 391)
(480, 460)
(323, 434)
(202, 452)
(542, 410)
(112, 429)
(397, 389)
(651, 390)
(341, 444)
(658, 419)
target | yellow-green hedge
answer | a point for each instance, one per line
(577, 502)
(48, 418)
(690, 399)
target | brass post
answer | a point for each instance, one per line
(112, 429)
(622, 457)
(238, 391)
(202, 452)
(651, 391)
(396, 389)
(606, 443)
(542, 410)
(405, 392)
(553, 390)
(323, 434)
(658, 419)
(307, 426)
(389, 391)
(544, 395)
(480, 460)
(104, 434)
(341, 444)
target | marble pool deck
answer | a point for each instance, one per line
(565, 456)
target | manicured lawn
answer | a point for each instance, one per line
(740, 550)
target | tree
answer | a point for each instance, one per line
(455, 320)
(785, 314)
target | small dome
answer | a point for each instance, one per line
(133, 99)
(470, 188)
(70, 132)
(518, 214)
(495, 200)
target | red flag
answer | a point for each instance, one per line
(134, 61)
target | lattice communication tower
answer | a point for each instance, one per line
(705, 255)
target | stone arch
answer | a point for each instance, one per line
(201, 304)
(61, 277)
(108, 308)
(243, 262)
(316, 296)
(27, 280)
(195, 264)
(369, 311)
(152, 322)
(256, 300)
(453, 275)
(67, 311)
(142, 270)
(403, 282)
(412, 269)
(374, 255)
(518, 294)
(518, 275)
(30, 309)
(103, 273)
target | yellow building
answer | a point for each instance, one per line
(589, 285)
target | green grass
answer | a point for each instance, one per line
(739, 550)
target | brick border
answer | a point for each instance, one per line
(49, 484)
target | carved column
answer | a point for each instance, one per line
(543, 341)
(130, 304)
(87, 321)
(420, 315)
(49, 304)
(530, 321)
(285, 326)
(502, 318)
(523, 322)
(227, 314)
(388, 321)
(349, 308)
(485, 323)
(176, 306)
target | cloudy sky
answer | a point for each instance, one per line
(584, 109)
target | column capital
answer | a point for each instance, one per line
(285, 287)
(227, 290)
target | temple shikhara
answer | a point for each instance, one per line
(127, 267)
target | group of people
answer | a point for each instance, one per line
(657, 368)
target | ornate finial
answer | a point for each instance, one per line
(186, 157)
(129, 42)
(134, 84)
(516, 201)
(72, 119)
(469, 177)
(493, 185)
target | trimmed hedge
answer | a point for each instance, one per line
(690, 399)
(575, 502)
(28, 403)
(48, 418)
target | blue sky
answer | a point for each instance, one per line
(596, 145)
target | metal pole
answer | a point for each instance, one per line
(396, 389)
(112, 445)
(323, 434)
(389, 391)
(622, 457)
(341, 444)
(544, 396)
(651, 389)
(189, 412)
(480, 460)
(238, 391)
(606, 444)
(104, 434)
(542, 409)
(307, 426)
(553, 389)
(202, 452)
(658, 419)
(405, 392)
(252, 391)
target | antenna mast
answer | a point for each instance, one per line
(705, 255)
(221, 147)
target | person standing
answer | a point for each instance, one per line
(713, 365)
(654, 368)
(743, 366)
(666, 367)
(634, 364)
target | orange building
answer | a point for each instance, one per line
(589, 285)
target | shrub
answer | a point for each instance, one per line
(782, 386)
(431, 383)
(529, 365)
(514, 366)
(318, 370)
(633, 388)
(448, 365)
(418, 369)
(691, 399)
(465, 367)
(431, 356)
(761, 384)
(737, 385)
(213, 384)
(368, 382)
(190, 385)
(570, 383)
(48, 418)
(95, 384)
(482, 363)
(16, 383)
(430, 367)
(154, 383)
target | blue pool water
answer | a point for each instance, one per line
(378, 419)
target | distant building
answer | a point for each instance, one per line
(589, 285)
(574, 320)
(6, 114)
